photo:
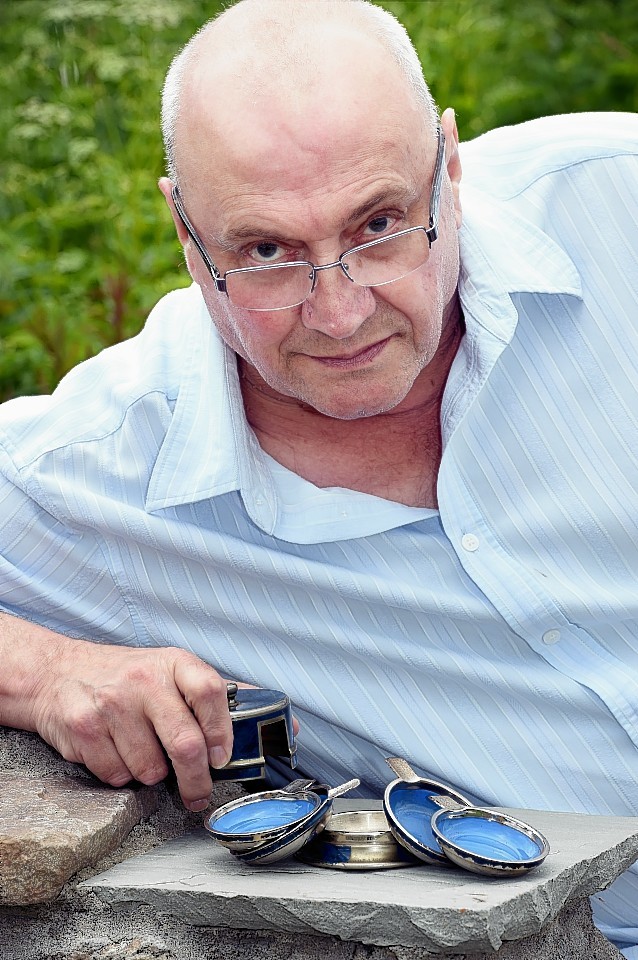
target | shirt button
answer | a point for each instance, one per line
(551, 636)
(470, 542)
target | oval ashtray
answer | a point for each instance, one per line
(488, 842)
(259, 818)
(356, 840)
(409, 808)
(274, 824)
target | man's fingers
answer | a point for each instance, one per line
(114, 739)
(190, 717)
(86, 741)
(142, 752)
(130, 708)
(205, 693)
(185, 745)
(109, 766)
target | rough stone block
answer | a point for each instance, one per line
(52, 827)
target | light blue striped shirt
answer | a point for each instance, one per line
(494, 642)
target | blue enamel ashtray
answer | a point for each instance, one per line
(488, 842)
(261, 817)
(262, 727)
(273, 825)
(409, 808)
(438, 825)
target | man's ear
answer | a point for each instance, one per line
(453, 160)
(166, 186)
(191, 256)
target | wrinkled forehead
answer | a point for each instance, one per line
(264, 117)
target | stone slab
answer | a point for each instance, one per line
(437, 910)
(52, 827)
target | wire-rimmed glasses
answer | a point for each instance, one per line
(280, 286)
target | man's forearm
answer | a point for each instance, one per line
(27, 653)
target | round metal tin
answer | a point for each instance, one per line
(356, 840)
(262, 726)
(409, 808)
(489, 842)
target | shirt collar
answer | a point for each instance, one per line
(208, 441)
(503, 252)
(503, 256)
(209, 450)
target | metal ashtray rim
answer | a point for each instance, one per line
(482, 863)
(356, 848)
(338, 832)
(245, 839)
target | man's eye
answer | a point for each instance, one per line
(378, 224)
(266, 252)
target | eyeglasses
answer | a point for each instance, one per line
(279, 286)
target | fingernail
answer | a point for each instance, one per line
(218, 757)
(196, 806)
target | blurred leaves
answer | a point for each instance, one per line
(500, 62)
(86, 244)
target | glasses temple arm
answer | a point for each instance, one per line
(435, 197)
(220, 283)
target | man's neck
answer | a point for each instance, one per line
(394, 455)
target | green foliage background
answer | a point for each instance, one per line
(86, 243)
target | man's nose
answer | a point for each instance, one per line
(337, 306)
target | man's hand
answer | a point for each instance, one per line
(117, 709)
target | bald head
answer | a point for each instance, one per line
(286, 57)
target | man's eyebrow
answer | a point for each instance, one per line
(232, 237)
(400, 196)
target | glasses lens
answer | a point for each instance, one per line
(389, 259)
(270, 288)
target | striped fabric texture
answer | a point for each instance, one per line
(494, 642)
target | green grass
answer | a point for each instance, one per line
(86, 243)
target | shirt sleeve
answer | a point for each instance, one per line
(53, 572)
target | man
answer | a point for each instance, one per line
(394, 476)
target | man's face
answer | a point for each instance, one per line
(286, 181)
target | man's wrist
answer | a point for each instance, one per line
(30, 655)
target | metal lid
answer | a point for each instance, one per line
(253, 702)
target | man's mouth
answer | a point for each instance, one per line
(351, 360)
